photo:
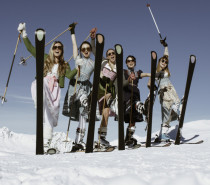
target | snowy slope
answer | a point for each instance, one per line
(183, 164)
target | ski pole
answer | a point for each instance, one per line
(23, 60)
(148, 5)
(75, 87)
(3, 97)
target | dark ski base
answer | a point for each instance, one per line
(40, 42)
(151, 98)
(119, 65)
(187, 90)
(93, 103)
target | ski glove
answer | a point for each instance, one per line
(84, 100)
(163, 42)
(140, 107)
(22, 29)
(72, 30)
(131, 77)
(93, 33)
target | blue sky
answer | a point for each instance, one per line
(129, 23)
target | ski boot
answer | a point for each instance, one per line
(79, 145)
(130, 141)
(47, 148)
(102, 132)
(163, 135)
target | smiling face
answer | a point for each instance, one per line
(57, 50)
(86, 50)
(111, 56)
(163, 63)
(130, 62)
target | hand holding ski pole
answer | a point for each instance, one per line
(93, 33)
(163, 42)
(22, 30)
(23, 60)
(72, 27)
(132, 77)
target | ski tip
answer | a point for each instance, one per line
(154, 55)
(100, 38)
(192, 58)
(118, 48)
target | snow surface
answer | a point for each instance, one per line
(177, 164)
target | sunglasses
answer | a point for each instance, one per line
(84, 49)
(164, 61)
(130, 61)
(57, 47)
(111, 53)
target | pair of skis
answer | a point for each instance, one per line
(92, 116)
(191, 67)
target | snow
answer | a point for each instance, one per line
(177, 164)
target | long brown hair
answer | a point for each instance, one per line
(50, 61)
(165, 57)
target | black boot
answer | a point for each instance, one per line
(102, 132)
(130, 141)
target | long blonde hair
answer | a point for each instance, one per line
(50, 61)
(165, 57)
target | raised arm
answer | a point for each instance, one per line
(73, 38)
(163, 42)
(22, 29)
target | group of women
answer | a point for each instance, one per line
(79, 90)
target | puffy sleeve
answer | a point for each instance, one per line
(31, 48)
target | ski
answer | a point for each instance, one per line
(96, 78)
(156, 144)
(40, 42)
(194, 143)
(192, 63)
(119, 64)
(96, 149)
(133, 147)
(151, 98)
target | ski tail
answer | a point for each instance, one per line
(192, 63)
(96, 78)
(151, 97)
